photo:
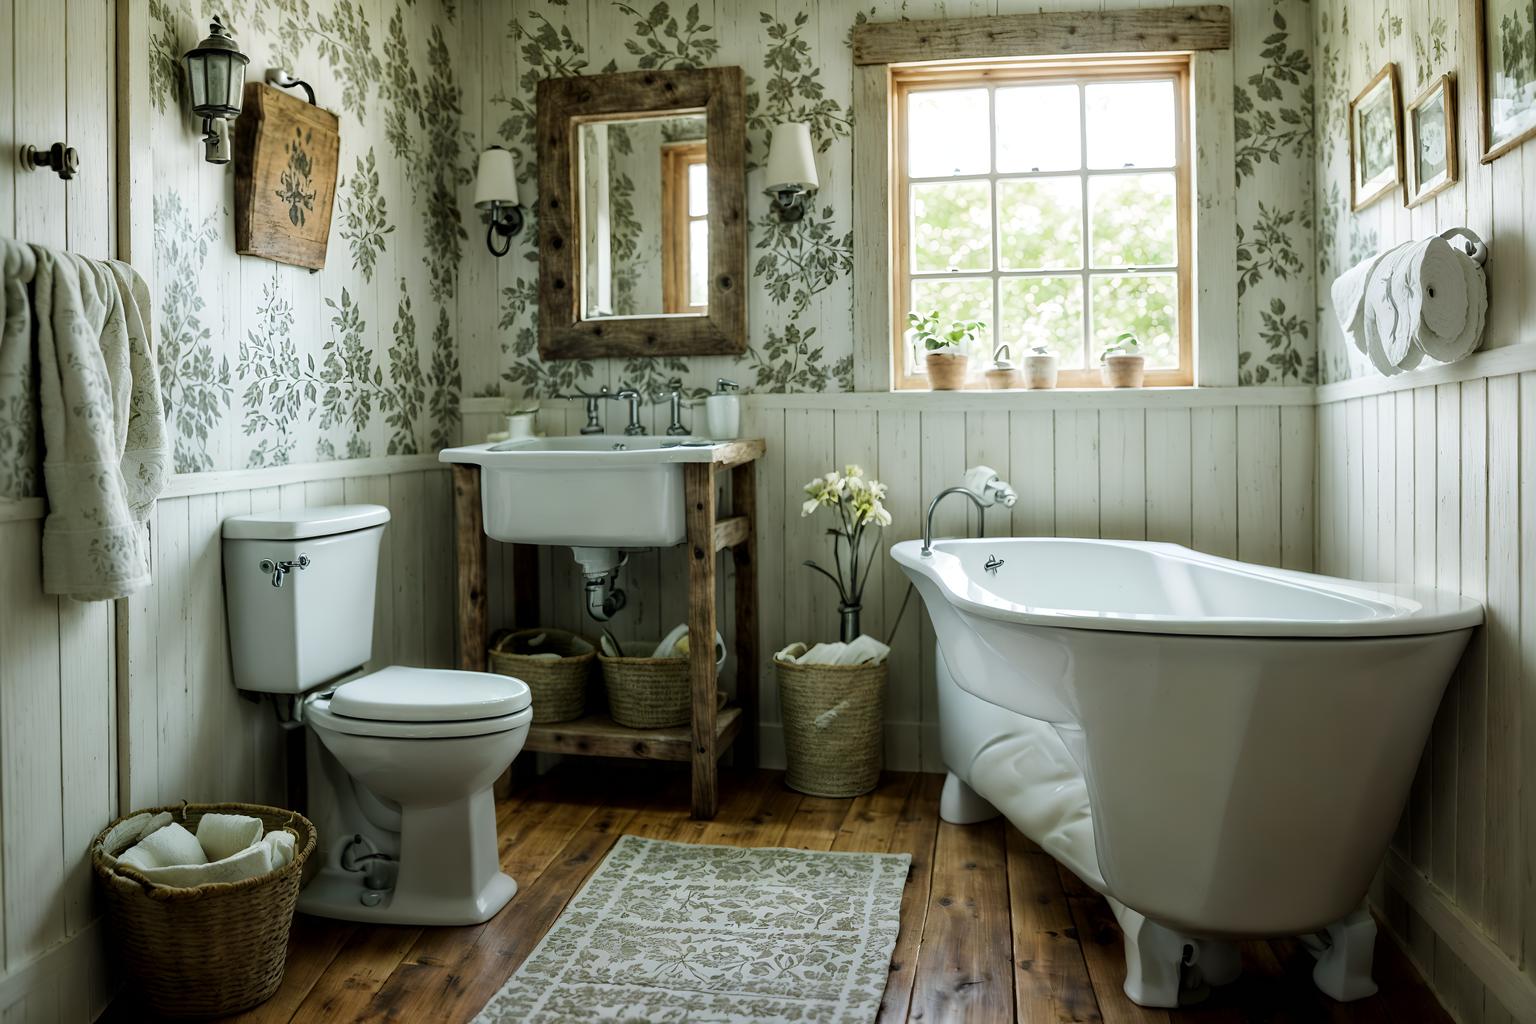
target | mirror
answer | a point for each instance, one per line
(642, 214)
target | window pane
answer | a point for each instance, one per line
(1042, 311)
(966, 298)
(947, 133)
(1132, 221)
(1144, 304)
(1130, 124)
(1038, 128)
(698, 263)
(1040, 223)
(951, 226)
(698, 190)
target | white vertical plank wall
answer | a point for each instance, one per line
(1439, 483)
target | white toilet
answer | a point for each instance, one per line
(400, 761)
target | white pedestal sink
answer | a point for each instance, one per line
(596, 490)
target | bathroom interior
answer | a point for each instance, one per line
(932, 510)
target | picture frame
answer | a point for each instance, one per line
(1430, 141)
(1375, 139)
(1505, 118)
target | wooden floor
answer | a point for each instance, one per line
(991, 929)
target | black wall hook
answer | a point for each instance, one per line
(63, 160)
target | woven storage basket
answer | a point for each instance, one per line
(559, 687)
(647, 693)
(834, 727)
(212, 949)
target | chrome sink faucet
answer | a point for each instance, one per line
(594, 423)
(630, 395)
(674, 395)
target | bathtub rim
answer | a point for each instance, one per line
(1417, 610)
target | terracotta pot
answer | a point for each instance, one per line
(946, 370)
(1039, 372)
(1122, 371)
(1000, 378)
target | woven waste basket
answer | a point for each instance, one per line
(558, 685)
(834, 733)
(212, 949)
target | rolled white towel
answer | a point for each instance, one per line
(155, 823)
(676, 645)
(171, 845)
(864, 650)
(1448, 303)
(248, 863)
(223, 835)
(1348, 294)
(283, 846)
(1383, 319)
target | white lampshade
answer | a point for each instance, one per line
(496, 180)
(791, 158)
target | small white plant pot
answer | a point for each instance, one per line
(1040, 372)
(947, 370)
(1123, 371)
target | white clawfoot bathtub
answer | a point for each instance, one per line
(1222, 749)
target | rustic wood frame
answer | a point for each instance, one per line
(1203, 32)
(1387, 74)
(1414, 189)
(1490, 152)
(564, 104)
(266, 124)
(974, 74)
(676, 237)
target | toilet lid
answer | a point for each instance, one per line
(400, 694)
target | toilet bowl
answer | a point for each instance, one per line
(401, 761)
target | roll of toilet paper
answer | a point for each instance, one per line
(1447, 301)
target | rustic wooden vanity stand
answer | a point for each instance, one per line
(713, 729)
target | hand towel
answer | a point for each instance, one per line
(18, 410)
(865, 650)
(248, 863)
(284, 847)
(1348, 294)
(224, 835)
(154, 823)
(675, 645)
(1382, 318)
(169, 846)
(103, 425)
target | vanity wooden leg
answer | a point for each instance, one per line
(699, 495)
(525, 586)
(469, 551)
(744, 503)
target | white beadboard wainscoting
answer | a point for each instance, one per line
(1224, 470)
(1430, 479)
(169, 726)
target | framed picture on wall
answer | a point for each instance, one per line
(1506, 74)
(1432, 140)
(1375, 149)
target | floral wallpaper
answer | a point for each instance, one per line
(264, 364)
(1351, 45)
(798, 64)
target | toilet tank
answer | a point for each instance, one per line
(317, 625)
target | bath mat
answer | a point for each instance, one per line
(668, 932)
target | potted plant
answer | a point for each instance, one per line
(947, 364)
(1002, 374)
(1123, 365)
(834, 714)
(1040, 368)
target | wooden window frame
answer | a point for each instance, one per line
(992, 74)
(676, 228)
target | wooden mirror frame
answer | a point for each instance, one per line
(566, 103)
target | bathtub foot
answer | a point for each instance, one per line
(1154, 960)
(959, 804)
(1344, 954)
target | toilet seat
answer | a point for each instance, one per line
(420, 703)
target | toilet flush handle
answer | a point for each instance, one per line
(280, 569)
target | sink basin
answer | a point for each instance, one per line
(595, 490)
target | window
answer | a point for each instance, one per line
(685, 228)
(1049, 199)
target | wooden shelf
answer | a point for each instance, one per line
(601, 736)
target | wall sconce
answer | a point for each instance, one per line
(791, 169)
(216, 73)
(496, 191)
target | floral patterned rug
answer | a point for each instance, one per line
(671, 932)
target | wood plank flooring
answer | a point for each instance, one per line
(991, 928)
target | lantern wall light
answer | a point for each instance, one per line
(216, 76)
(791, 169)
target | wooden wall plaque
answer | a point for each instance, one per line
(286, 152)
